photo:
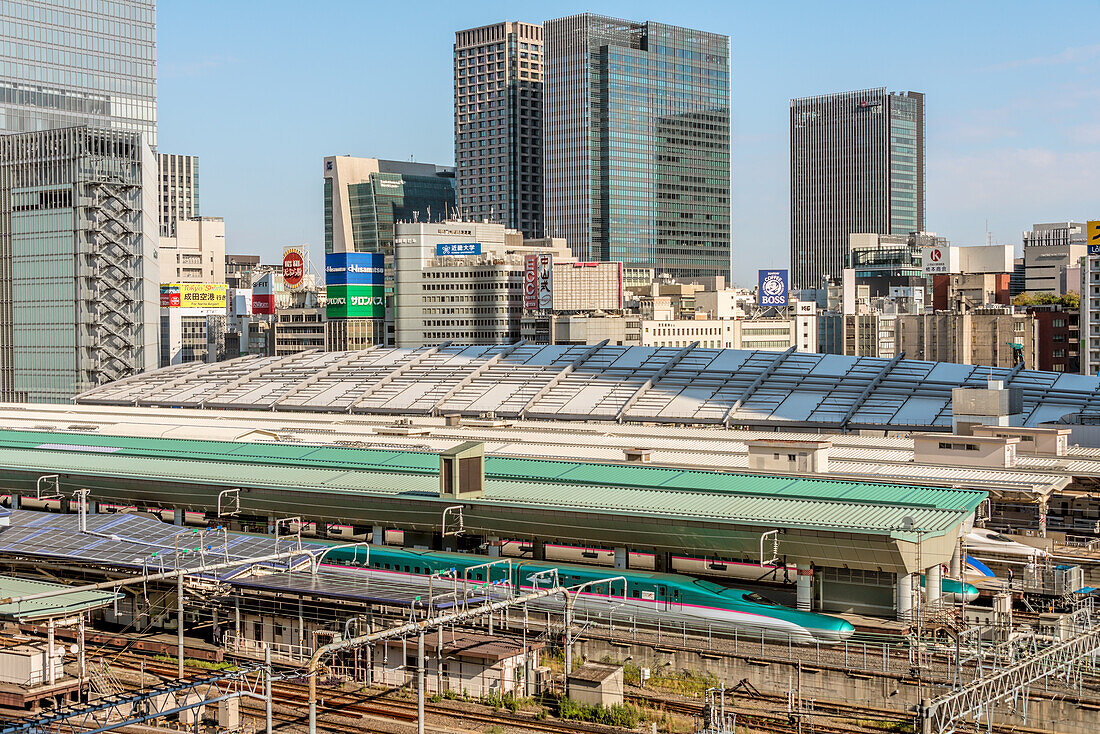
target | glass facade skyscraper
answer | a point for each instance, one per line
(636, 156)
(78, 62)
(857, 166)
(79, 279)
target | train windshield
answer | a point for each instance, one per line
(758, 599)
(710, 586)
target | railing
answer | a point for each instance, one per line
(255, 648)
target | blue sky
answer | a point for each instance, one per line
(262, 92)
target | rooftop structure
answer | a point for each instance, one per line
(51, 607)
(555, 501)
(687, 385)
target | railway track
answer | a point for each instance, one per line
(764, 712)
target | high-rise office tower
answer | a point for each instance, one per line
(857, 165)
(498, 125)
(78, 193)
(78, 62)
(179, 190)
(636, 143)
(79, 298)
(364, 199)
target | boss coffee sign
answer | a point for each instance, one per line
(772, 288)
(355, 284)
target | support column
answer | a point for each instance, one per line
(905, 596)
(177, 517)
(494, 547)
(49, 651)
(933, 579)
(538, 550)
(622, 558)
(955, 567)
(662, 561)
(378, 535)
(805, 587)
(15, 497)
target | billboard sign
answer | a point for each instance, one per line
(1093, 237)
(294, 268)
(169, 295)
(546, 281)
(263, 295)
(193, 295)
(356, 302)
(530, 281)
(355, 268)
(355, 285)
(457, 248)
(935, 260)
(772, 288)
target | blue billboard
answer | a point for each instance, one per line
(354, 268)
(772, 289)
(458, 248)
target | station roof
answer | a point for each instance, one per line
(126, 540)
(132, 541)
(537, 485)
(62, 605)
(603, 383)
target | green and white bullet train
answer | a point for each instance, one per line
(674, 596)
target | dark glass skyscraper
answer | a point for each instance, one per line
(857, 165)
(636, 144)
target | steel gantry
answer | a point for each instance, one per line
(942, 715)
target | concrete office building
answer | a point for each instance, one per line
(179, 190)
(195, 254)
(636, 143)
(857, 165)
(472, 298)
(498, 125)
(79, 296)
(979, 337)
(79, 63)
(1049, 249)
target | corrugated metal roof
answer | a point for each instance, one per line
(538, 485)
(54, 606)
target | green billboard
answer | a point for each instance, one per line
(356, 302)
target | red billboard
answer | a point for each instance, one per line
(530, 281)
(294, 268)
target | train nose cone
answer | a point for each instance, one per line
(845, 630)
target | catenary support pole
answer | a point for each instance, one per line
(267, 688)
(420, 682)
(179, 620)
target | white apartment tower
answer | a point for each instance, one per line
(498, 122)
(179, 190)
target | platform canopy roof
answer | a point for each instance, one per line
(63, 605)
(690, 385)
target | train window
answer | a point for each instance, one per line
(634, 594)
(661, 590)
(406, 569)
(757, 599)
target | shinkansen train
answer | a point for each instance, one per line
(646, 591)
(950, 589)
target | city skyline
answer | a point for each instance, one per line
(1011, 130)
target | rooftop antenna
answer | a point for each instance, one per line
(988, 236)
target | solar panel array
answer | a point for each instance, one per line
(129, 541)
(580, 382)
